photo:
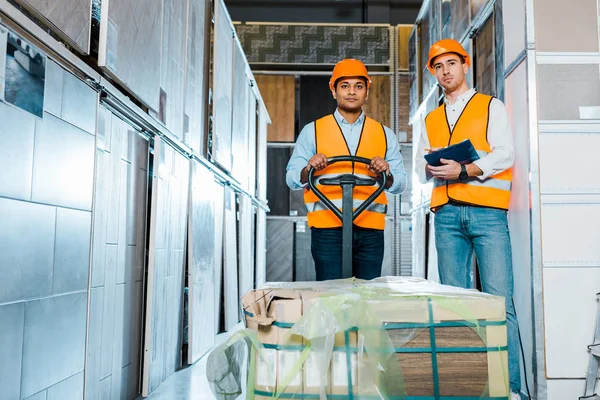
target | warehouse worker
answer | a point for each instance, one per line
(348, 131)
(471, 201)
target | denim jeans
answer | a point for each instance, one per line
(367, 253)
(458, 231)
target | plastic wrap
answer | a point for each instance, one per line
(390, 338)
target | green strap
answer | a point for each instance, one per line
(353, 349)
(251, 374)
(373, 397)
(348, 363)
(434, 367)
(413, 325)
(444, 324)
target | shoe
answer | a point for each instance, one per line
(515, 396)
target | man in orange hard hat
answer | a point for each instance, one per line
(348, 131)
(471, 199)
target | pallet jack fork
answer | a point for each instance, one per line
(347, 215)
(592, 374)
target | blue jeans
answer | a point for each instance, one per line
(458, 231)
(367, 253)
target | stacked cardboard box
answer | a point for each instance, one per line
(424, 339)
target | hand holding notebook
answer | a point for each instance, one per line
(462, 153)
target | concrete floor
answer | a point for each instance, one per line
(191, 383)
(187, 384)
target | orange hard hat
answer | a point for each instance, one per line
(446, 46)
(347, 68)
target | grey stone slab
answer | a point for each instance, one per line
(173, 64)
(222, 84)
(162, 208)
(16, 152)
(130, 264)
(132, 202)
(280, 250)
(120, 332)
(72, 250)
(136, 333)
(108, 318)
(129, 304)
(202, 293)
(304, 264)
(63, 164)
(71, 17)
(80, 104)
(108, 130)
(124, 135)
(122, 232)
(125, 376)
(55, 330)
(132, 39)
(141, 225)
(26, 249)
(94, 350)
(100, 218)
(230, 262)
(114, 195)
(105, 386)
(240, 119)
(69, 389)
(11, 348)
(194, 77)
(104, 117)
(140, 157)
(387, 267)
(53, 91)
(38, 396)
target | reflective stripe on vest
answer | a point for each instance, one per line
(472, 124)
(330, 141)
(373, 207)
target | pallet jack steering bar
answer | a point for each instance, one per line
(347, 215)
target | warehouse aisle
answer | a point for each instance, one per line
(186, 384)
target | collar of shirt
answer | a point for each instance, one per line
(340, 119)
(463, 98)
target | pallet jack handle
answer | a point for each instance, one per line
(348, 214)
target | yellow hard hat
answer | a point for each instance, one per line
(347, 68)
(446, 46)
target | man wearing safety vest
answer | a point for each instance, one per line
(348, 131)
(471, 200)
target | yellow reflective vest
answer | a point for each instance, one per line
(330, 141)
(472, 124)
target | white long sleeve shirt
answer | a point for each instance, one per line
(499, 135)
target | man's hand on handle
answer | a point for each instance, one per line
(318, 162)
(379, 165)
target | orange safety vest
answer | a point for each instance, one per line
(330, 141)
(472, 124)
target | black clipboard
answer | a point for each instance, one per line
(462, 153)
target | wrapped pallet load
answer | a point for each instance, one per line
(389, 338)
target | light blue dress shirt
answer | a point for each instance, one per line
(306, 148)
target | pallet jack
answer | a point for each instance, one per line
(348, 214)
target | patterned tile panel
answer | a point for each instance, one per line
(309, 44)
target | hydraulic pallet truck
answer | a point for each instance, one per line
(347, 215)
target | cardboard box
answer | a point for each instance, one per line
(415, 320)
